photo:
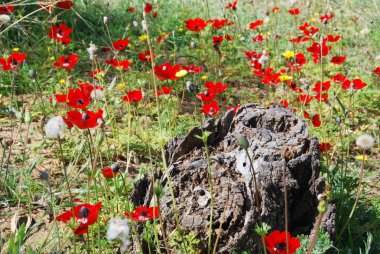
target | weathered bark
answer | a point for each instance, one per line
(269, 131)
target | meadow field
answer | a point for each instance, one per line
(108, 108)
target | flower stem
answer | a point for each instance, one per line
(285, 199)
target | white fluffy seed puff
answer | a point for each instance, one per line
(4, 19)
(55, 127)
(118, 229)
(365, 141)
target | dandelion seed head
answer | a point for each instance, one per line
(365, 141)
(55, 127)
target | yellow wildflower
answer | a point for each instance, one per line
(204, 77)
(312, 20)
(288, 54)
(121, 86)
(360, 157)
(181, 73)
(62, 81)
(143, 37)
(180, 29)
(52, 58)
(285, 77)
(15, 49)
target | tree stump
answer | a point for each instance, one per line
(269, 131)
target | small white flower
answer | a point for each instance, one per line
(4, 19)
(55, 127)
(91, 50)
(135, 24)
(97, 94)
(118, 229)
(365, 141)
(264, 57)
(144, 25)
(266, 20)
(242, 38)
(105, 20)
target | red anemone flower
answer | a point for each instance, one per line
(316, 121)
(86, 120)
(131, 9)
(211, 109)
(338, 59)
(148, 7)
(196, 24)
(356, 84)
(61, 98)
(120, 44)
(192, 68)
(322, 86)
(109, 173)
(321, 96)
(338, 78)
(275, 9)
(6, 9)
(295, 11)
(85, 214)
(13, 61)
(284, 103)
(146, 57)
(66, 5)
(60, 33)
(67, 62)
(216, 88)
(234, 108)
(219, 23)
(206, 96)
(143, 213)
(256, 24)
(232, 6)
(276, 243)
(304, 98)
(325, 18)
(164, 90)
(119, 65)
(76, 98)
(332, 38)
(166, 71)
(133, 96)
(324, 147)
(258, 38)
(300, 59)
(306, 114)
(217, 40)
(377, 71)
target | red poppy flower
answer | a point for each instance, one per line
(145, 56)
(148, 7)
(67, 62)
(306, 114)
(316, 121)
(86, 120)
(377, 71)
(256, 24)
(6, 9)
(211, 109)
(13, 61)
(284, 103)
(87, 88)
(324, 147)
(164, 90)
(258, 38)
(300, 39)
(196, 24)
(300, 59)
(251, 54)
(166, 71)
(216, 88)
(85, 214)
(276, 243)
(162, 37)
(322, 86)
(338, 78)
(217, 40)
(232, 6)
(275, 9)
(60, 33)
(332, 38)
(133, 96)
(206, 96)
(321, 97)
(96, 73)
(143, 213)
(234, 108)
(338, 59)
(77, 99)
(293, 85)
(120, 44)
(218, 24)
(119, 65)
(192, 69)
(61, 98)
(319, 50)
(356, 84)
(304, 98)
(325, 18)
(109, 173)
(270, 78)
(229, 37)
(131, 9)
(295, 11)
(66, 5)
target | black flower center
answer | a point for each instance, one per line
(80, 102)
(144, 213)
(85, 117)
(83, 212)
(280, 246)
